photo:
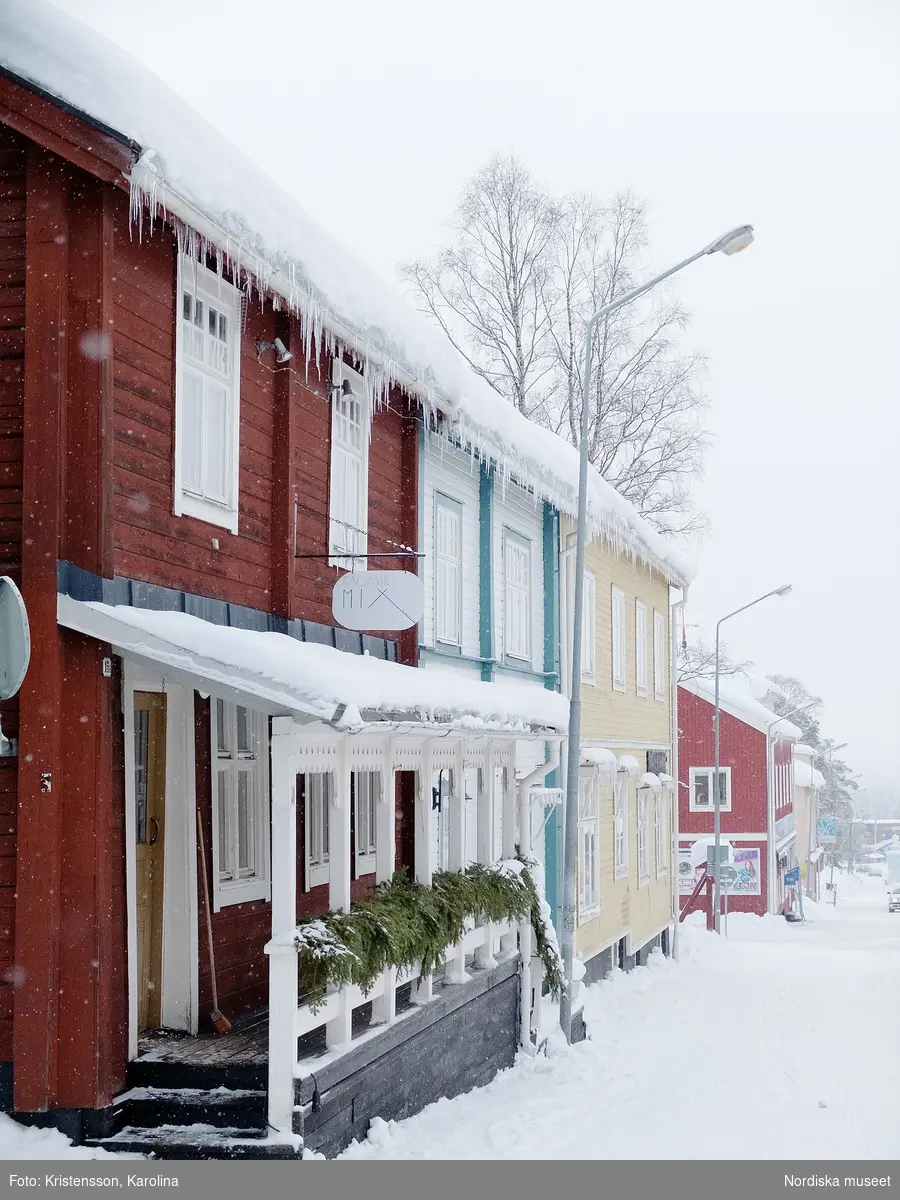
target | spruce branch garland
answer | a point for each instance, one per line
(403, 922)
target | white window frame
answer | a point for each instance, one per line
(640, 647)
(445, 564)
(659, 655)
(230, 762)
(588, 846)
(620, 825)
(348, 532)
(317, 791)
(617, 613)
(589, 629)
(662, 839)
(521, 651)
(366, 798)
(210, 289)
(643, 835)
(707, 773)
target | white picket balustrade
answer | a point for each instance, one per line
(290, 1018)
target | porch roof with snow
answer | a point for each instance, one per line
(219, 199)
(805, 775)
(280, 675)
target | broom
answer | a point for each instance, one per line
(221, 1022)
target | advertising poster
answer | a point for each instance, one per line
(747, 880)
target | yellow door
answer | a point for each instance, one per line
(150, 803)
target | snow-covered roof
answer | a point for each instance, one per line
(806, 775)
(312, 680)
(219, 199)
(736, 698)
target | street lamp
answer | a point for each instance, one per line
(717, 794)
(831, 753)
(729, 243)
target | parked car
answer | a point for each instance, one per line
(894, 898)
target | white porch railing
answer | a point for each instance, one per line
(290, 1018)
(297, 748)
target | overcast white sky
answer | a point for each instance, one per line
(784, 113)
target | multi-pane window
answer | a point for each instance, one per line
(588, 846)
(702, 797)
(517, 594)
(207, 395)
(643, 834)
(618, 639)
(447, 570)
(317, 790)
(348, 511)
(240, 804)
(662, 820)
(640, 647)
(621, 824)
(366, 795)
(589, 628)
(659, 655)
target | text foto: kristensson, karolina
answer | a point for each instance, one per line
(848, 1181)
(64, 1181)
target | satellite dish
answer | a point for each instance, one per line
(378, 600)
(15, 639)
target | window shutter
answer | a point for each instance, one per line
(208, 373)
(517, 564)
(448, 578)
(640, 648)
(618, 637)
(349, 476)
(192, 432)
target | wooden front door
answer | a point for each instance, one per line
(150, 804)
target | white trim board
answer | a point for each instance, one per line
(179, 1005)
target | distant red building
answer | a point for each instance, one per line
(757, 814)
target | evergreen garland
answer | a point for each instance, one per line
(404, 922)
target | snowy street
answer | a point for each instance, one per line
(782, 1043)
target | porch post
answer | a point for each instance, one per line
(384, 1007)
(424, 988)
(527, 1006)
(508, 849)
(282, 951)
(456, 967)
(338, 1031)
(484, 955)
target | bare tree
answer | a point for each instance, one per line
(487, 289)
(698, 661)
(514, 291)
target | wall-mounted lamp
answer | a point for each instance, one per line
(344, 387)
(282, 354)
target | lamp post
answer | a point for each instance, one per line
(729, 243)
(717, 794)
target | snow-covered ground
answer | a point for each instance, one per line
(782, 1042)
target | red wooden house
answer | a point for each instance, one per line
(199, 429)
(756, 790)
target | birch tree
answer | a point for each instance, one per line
(514, 289)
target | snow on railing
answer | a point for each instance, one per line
(290, 1018)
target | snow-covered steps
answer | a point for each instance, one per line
(199, 1141)
(243, 1108)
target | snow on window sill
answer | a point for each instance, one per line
(206, 510)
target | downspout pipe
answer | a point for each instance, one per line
(526, 935)
(676, 610)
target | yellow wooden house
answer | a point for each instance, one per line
(626, 884)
